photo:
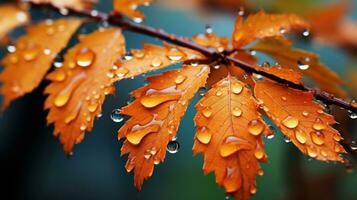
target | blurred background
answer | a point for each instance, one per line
(34, 166)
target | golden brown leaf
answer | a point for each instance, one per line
(128, 8)
(288, 57)
(262, 25)
(153, 57)
(74, 4)
(155, 117)
(211, 40)
(11, 16)
(229, 135)
(33, 57)
(79, 87)
(301, 119)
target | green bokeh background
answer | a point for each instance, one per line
(36, 167)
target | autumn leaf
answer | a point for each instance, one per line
(262, 25)
(34, 55)
(79, 87)
(229, 130)
(128, 8)
(11, 16)
(73, 4)
(211, 40)
(308, 63)
(155, 117)
(153, 57)
(301, 119)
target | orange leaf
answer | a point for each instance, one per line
(155, 117)
(153, 57)
(283, 73)
(33, 57)
(11, 17)
(282, 51)
(74, 4)
(128, 8)
(79, 87)
(262, 25)
(229, 135)
(301, 119)
(211, 40)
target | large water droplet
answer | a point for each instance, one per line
(237, 88)
(300, 136)
(231, 145)
(319, 125)
(180, 79)
(203, 135)
(156, 62)
(207, 112)
(136, 136)
(311, 152)
(255, 127)
(63, 97)
(237, 112)
(116, 116)
(318, 138)
(173, 147)
(153, 100)
(259, 153)
(174, 54)
(290, 122)
(85, 57)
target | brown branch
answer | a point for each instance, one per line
(118, 20)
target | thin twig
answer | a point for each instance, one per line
(117, 20)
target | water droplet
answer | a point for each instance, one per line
(237, 112)
(271, 136)
(353, 146)
(173, 147)
(209, 29)
(282, 30)
(116, 116)
(253, 190)
(290, 122)
(30, 53)
(138, 53)
(138, 20)
(319, 125)
(64, 11)
(136, 136)
(82, 127)
(207, 112)
(122, 72)
(92, 107)
(203, 135)
(311, 152)
(318, 138)
(302, 66)
(174, 54)
(237, 88)
(241, 11)
(153, 100)
(219, 93)
(156, 62)
(252, 52)
(300, 136)
(63, 97)
(11, 49)
(283, 98)
(216, 66)
(286, 139)
(259, 153)
(202, 91)
(260, 172)
(180, 79)
(47, 51)
(266, 65)
(255, 127)
(231, 145)
(306, 32)
(352, 115)
(85, 57)
(305, 113)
